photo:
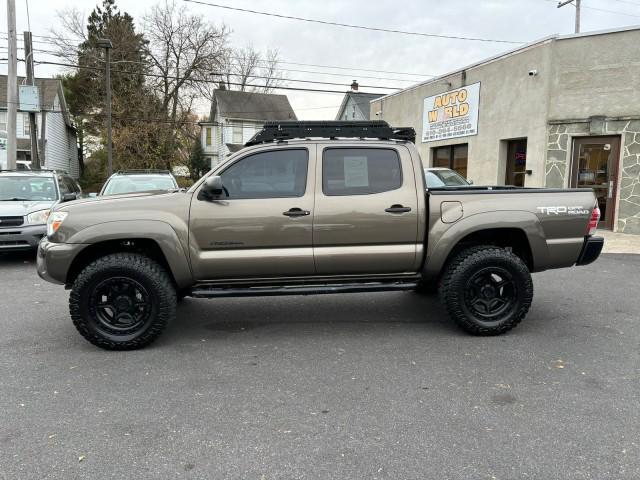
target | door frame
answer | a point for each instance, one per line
(614, 170)
(508, 143)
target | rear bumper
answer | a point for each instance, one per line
(590, 250)
(21, 238)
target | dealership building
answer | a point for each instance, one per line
(560, 112)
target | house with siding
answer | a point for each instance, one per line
(355, 105)
(235, 117)
(60, 141)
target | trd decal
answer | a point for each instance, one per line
(563, 210)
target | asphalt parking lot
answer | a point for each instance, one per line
(328, 387)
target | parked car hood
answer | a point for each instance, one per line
(23, 207)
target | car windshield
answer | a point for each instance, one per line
(27, 188)
(444, 178)
(139, 183)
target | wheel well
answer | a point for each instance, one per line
(144, 246)
(513, 239)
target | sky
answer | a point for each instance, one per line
(412, 57)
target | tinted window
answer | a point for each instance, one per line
(63, 186)
(71, 185)
(274, 174)
(139, 183)
(360, 171)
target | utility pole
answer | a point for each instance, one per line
(107, 45)
(12, 85)
(577, 5)
(33, 128)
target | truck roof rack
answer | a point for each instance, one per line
(281, 131)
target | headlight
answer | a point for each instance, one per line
(54, 222)
(38, 218)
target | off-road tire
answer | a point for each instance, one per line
(458, 289)
(130, 267)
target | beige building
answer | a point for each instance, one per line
(560, 112)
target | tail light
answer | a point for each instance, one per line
(593, 221)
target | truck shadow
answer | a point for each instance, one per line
(306, 315)
(17, 258)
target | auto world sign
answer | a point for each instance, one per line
(451, 114)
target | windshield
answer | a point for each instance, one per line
(444, 178)
(139, 183)
(27, 188)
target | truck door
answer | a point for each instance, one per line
(262, 225)
(366, 213)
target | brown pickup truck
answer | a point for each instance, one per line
(313, 208)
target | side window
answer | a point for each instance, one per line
(63, 186)
(273, 174)
(71, 185)
(360, 171)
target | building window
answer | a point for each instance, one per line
(207, 136)
(453, 157)
(236, 133)
(3, 120)
(26, 125)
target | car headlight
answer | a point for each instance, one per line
(54, 222)
(38, 218)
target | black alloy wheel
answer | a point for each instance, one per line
(122, 301)
(486, 290)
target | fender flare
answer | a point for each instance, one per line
(523, 220)
(160, 232)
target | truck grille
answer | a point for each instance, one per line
(11, 221)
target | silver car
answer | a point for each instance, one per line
(26, 199)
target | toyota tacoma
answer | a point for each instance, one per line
(313, 208)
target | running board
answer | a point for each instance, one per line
(218, 292)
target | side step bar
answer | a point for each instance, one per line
(218, 292)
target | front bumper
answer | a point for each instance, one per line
(54, 260)
(25, 237)
(590, 250)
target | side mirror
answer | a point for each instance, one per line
(67, 197)
(213, 186)
(93, 195)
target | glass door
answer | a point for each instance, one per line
(595, 165)
(516, 162)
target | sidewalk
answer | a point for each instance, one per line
(619, 242)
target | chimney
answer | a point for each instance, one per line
(354, 86)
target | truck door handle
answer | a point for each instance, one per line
(296, 212)
(397, 208)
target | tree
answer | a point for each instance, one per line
(182, 48)
(86, 85)
(246, 69)
(198, 166)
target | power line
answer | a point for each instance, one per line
(51, 109)
(347, 25)
(315, 72)
(293, 63)
(615, 12)
(628, 2)
(318, 82)
(173, 77)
